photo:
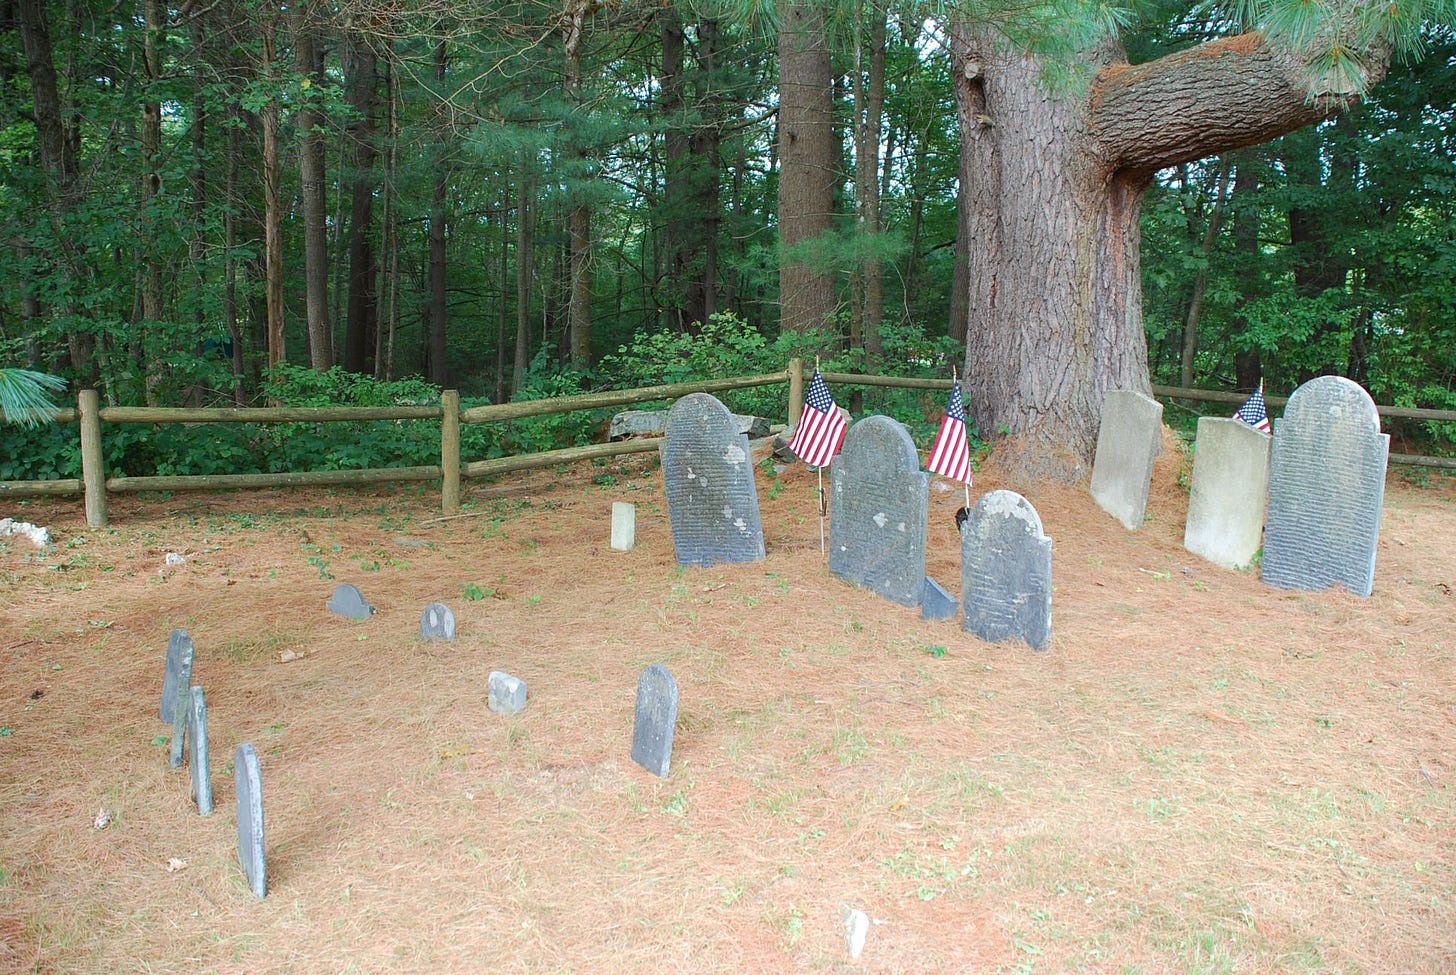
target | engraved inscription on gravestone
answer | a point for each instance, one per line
(1128, 441)
(655, 720)
(249, 782)
(711, 496)
(349, 601)
(1006, 571)
(178, 676)
(879, 511)
(1326, 489)
(197, 738)
(437, 623)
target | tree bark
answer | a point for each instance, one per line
(439, 214)
(309, 63)
(1056, 187)
(361, 90)
(272, 213)
(525, 262)
(807, 163)
(1200, 280)
(869, 113)
(579, 220)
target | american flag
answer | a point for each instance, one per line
(821, 428)
(950, 455)
(1253, 412)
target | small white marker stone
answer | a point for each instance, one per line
(624, 526)
(856, 927)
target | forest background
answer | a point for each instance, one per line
(235, 202)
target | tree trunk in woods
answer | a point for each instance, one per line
(1056, 188)
(197, 246)
(439, 214)
(525, 261)
(869, 102)
(149, 264)
(308, 61)
(272, 214)
(1200, 280)
(361, 90)
(808, 158)
(1314, 169)
(1248, 369)
(579, 220)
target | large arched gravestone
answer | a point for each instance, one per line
(712, 501)
(879, 511)
(1006, 572)
(1326, 489)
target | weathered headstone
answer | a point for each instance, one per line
(181, 717)
(1230, 492)
(652, 423)
(505, 694)
(655, 719)
(249, 782)
(197, 739)
(1128, 441)
(437, 623)
(178, 676)
(624, 526)
(711, 497)
(1006, 571)
(936, 603)
(879, 511)
(349, 601)
(1326, 489)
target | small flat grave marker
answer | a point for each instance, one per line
(249, 782)
(712, 500)
(880, 511)
(178, 676)
(437, 623)
(197, 739)
(655, 720)
(505, 694)
(1006, 571)
(1128, 441)
(624, 526)
(349, 601)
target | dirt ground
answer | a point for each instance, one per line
(1202, 775)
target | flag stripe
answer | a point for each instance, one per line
(821, 427)
(950, 454)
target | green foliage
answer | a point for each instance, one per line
(534, 434)
(23, 398)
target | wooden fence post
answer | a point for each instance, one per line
(93, 469)
(450, 452)
(796, 391)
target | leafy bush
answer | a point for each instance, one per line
(533, 434)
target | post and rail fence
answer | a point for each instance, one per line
(94, 485)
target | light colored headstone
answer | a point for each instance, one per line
(248, 780)
(655, 720)
(1006, 571)
(936, 603)
(624, 526)
(712, 500)
(201, 773)
(178, 676)
(437, 623)
(1230, 492)
(349, 601)
(879, 510)
(1326, 489)
(1128, 441)
(505, 694)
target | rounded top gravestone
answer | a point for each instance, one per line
(711, 496)
(880, 511)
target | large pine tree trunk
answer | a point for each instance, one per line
(272, 214)
(439, 215)
(362, 91)
(309, 63)
(1055, 187)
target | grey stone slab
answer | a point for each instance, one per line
(655, 720)
(349, 601)
(651, 423)
(1326, 489)
(712, 500)
(505, 694)
(178, 676)
(437, 622)
(248, 779)
(1229, 494)
(1006, 571)
(936, 603)
(1128, 441)
(201, 772)
(624, 526)
(879, 511)
(181, 716)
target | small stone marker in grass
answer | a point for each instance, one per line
(349, 601)
(1006, 571)
(437, 623)
(178, 676)
(505, 694)
(655, 720)
(197, 756)
(624, 526)
(249, 781)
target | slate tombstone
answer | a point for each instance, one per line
(1229, 493)
(1326, 489)
(349, 601)
(1128, 441)
(711, 497)
(197, 738)
(655, 719)
(437, 623)
(879, 511)
(1006, 571)
(249, 782)
(178, 676)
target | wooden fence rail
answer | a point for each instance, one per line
(94, 485)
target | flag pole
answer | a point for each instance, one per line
(954, 378)
(823, 507)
